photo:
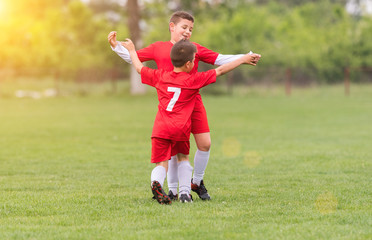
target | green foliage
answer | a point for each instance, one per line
(82, 39)
(56, 36)
(156, 15)
(362, 46)
(317, 38)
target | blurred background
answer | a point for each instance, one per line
(59, 47)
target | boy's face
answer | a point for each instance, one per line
(182, 30)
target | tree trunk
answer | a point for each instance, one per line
(135, 34)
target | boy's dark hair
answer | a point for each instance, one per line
(177, 16)
(182, 52)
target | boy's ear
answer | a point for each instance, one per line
(188, 64)
(171, 26)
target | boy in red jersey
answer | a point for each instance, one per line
(181, 26)
(177, 91)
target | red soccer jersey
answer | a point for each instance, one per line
(177, 95)
(160, 53)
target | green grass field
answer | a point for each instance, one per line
(281, 167)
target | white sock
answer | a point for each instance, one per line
(158, 174)
(172, 175)
(200, 164)
(184, 175)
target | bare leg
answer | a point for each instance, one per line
(203, 141)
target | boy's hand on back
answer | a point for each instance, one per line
(112, 39)
(128, 44)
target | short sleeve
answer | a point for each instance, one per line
(147, 53)
(202, 79)
(206, 55)
(149, 76)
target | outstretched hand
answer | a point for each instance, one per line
(112, 39)
(252, 58)
(128, 44)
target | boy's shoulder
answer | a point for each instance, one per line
(156, 70)
(209, 72)
(207, 55)
(161, 43)
(169, 43)
(159, 74)
(198, 45)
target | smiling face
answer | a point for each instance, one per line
(181, 30)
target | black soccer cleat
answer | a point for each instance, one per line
(159, 193)
(200, 190)
(186, 198)
(172, 196)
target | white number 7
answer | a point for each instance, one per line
(177, 92)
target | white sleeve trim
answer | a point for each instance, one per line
(122, 52)
(223, 59)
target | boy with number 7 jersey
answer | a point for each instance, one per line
(177, 91)
(181, 26)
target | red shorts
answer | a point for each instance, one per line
(163, 149)
(199, 121)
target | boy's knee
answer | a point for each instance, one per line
(182, 157)
(204, 146)
(203, 141)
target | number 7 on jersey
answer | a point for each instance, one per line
(177, 92)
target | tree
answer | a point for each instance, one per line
(135, 34)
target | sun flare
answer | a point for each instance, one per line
(2, 8)
(5, 10)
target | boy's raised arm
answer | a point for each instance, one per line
(206, 55)
(223, 59)
(250, 58)
(128, 44)
(112, 39)
(118, 48)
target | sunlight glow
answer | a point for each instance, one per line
(1, 7)
(6, 7)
